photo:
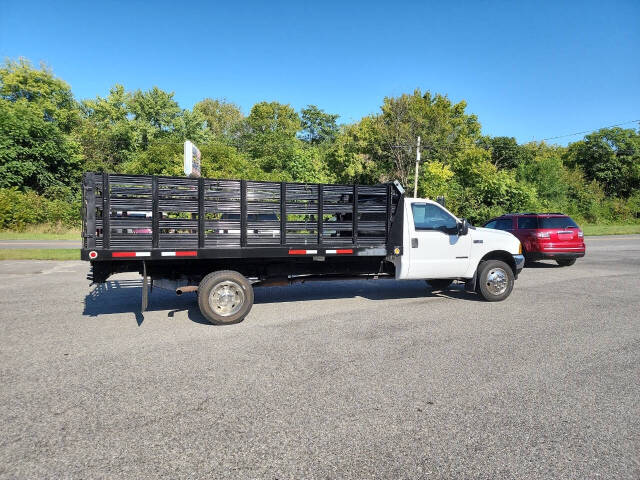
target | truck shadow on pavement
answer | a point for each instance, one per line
(539, 264)
(124, 296)
(368, 289)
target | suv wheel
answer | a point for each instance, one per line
(566, 262)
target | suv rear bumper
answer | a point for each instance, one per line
(553, 255)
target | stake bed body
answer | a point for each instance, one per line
(229, 234)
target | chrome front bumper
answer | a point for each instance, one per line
(519, 259)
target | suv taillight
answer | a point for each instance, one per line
(543, 235)
(580, 234)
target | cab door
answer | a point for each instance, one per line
(437, 251)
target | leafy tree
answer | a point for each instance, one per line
(37, 114)
(107, 133)
(390, 137)
(220, 160)
(318, 126)
(191, 125)
(487, 191)
(19, 80)
(505, 151)
(154, 113)
(270, 136)
(155, 107)
(117, 128)
(161, 157)
(223, 118)
(273, 117)
(541, 165)
(611, 156)
(349, 157)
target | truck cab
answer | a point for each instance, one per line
(440, 247)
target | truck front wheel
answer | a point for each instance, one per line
(495, 280)
(225, 297)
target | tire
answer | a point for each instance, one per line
(495, 280)
(440, 283)
(566, 262)
(225, 297)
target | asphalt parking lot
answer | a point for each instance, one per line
(326, 380)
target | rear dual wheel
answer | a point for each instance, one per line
(225, 297)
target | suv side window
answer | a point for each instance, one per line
(504, 224)
(427, 216)
(527, 222)
(491, 224)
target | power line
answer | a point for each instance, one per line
(441, 147)
(588, 131)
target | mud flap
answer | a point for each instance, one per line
(145, 288)
(470, 284)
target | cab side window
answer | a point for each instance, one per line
(427, 216)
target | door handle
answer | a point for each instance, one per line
(414, 243)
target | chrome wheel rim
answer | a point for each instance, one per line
(497, 281)
(226, 298)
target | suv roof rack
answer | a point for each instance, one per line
(533, 213)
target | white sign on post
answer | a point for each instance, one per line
(191, 160)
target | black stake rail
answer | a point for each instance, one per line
(164, 214)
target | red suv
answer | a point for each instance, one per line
(551, 236)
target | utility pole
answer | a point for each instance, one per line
(415, 181)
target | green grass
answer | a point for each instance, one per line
(610, 229)
(40, 254)
(41, 233)
(55, 232)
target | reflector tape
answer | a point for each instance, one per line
(130, 254)
(303, 252)
(343, 251)
(183, 253)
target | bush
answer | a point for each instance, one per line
(21, 209)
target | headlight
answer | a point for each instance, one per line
(520, 248)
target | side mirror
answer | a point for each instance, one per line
(463, 227)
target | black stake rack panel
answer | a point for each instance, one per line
(153, 213)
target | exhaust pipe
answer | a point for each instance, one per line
(186, 289)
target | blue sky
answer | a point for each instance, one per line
(528, 69)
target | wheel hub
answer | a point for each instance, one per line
(497, 281)
(226, 298)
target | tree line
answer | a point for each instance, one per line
(48, 138)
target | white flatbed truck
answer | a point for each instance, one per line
(223, 238)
